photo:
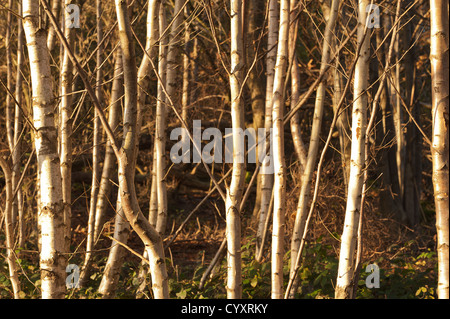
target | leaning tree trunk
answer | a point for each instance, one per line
(299, 146)
(109, 163)
(279, 187)
(439, 56)
(311, 159)
(126, 158)
(235, 190)
(51, 210)
(356, 179)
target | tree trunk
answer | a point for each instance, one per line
(51, 210)
(235, 190)
(439, 56)
(96, 175)
(9, 230)
(299, 146)
(126, 158)
(344, 284)
(279, 187)
(109, 163)
(18, 125)
(267, 177)
(65, 114)
(161, 124)
(51, 35)
(255, 81)
(305, 190)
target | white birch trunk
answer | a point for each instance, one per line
(344, 284)
(161, 123)
(65, 114)
(235, 190)
(109, 163)
(51, 210)
(9, 230)
(311, 160)
(267, 179)
(279, 188)
(439, 55)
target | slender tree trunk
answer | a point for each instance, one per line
(255, 82)
(9, 231)
(344, 284)
(342, 123)
(235, 190)
(65, 112)
(173, 53)
(299, 146)
(302, 211)
(143, 83)
(51, 210)
(140, 225)
(116, 256)
(9, 83)
(109, 163)
(267, 177)
(279, 188)
(18, 125)
(161, 124)
(96, 174)
(439, 56)
(51, 35)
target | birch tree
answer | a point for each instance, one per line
(279, 187)
(267, 179)
(146, 232)
(96, 174)
(235, 190)
(439, 56)
(51, 210)
(18, 208)
(5, 165)
(344, 285)
(313, 149)
(65, 126)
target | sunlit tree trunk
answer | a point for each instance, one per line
(161, 124)
(18, 125)
(9, 82)
(266, 177)
(65, 119)
(295, 84)
(110, 279)
(109, 164)
(9, 231)
(235, 190)
(96, 174)
(51, 35)
(173, 53)
(439, 56)
(311, 159)
(51, 210)
(279, 187)
(344, 283)
(139, 223)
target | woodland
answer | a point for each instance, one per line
(224, 149)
